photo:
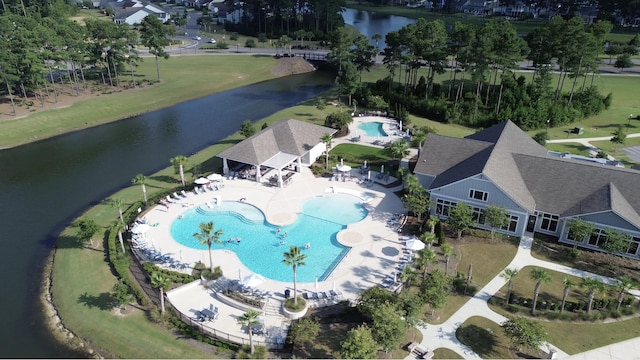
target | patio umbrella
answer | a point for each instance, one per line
(344, 168)
(252, 280)
(369, 175)
(316, 284)
(365, 164)
(214, 177)
(341, 162)
(334, 285)
(381, 169)
(140, 228)
(201, 181)
(415, 245)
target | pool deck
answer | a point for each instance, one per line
(375, 247)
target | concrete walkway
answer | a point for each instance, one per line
(586, 142)
(444, 335)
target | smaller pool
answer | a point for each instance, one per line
(373, 128)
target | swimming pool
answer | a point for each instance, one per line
(373, 128)
(260, 249)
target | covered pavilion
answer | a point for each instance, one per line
(288, 143)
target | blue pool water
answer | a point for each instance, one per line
(373, 129)
(260, 249)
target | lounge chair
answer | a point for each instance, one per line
(176, 196)
(170, 199)
(184, 194)
(209, 204)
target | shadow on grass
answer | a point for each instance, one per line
(481, 341)
(165, 179)
(69, 242)
(104, 301)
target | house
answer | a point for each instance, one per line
(285, 144)
(132, 12)
(503, 166)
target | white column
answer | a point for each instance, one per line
(225, 166)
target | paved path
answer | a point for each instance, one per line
(586, 142)
(444, 335)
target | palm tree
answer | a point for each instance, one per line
(207, 236)
(447, 250)
(294, 258)
(250, 319)
(539, 276)
(623, 285)
(140, 179)
(509, 275)
(408, 275)
(397, 149)
(326, 139)
(162, 283)
(428, 238)
(432, 221)
(178, 163)
(118, 204)
(119, 228)
(565, 291)
(425, 257)
(593, 286)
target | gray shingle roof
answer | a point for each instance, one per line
(521, 168)
(573, 187)
(291, 136)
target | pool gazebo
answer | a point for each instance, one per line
(288, 143)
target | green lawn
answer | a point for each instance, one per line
(484, 337)
(444, 353)
(183, 78)
(574, 338)
(523, 286)
(81, 289)
(488, 261)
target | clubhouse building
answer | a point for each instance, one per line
(504, 166)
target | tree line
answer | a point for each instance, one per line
(483, 87)
(40, 54)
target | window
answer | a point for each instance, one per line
(549, 222)
(478, 195)
(598, 237)
(512, 224)
(633, 246)
(444, 206)
(478, 215)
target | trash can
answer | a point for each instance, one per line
(287, 294)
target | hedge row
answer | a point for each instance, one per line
(121, 261)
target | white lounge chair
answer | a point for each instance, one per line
(184, 194)
(209, 204)
(170, 199)
(176, 196)
(197, 190)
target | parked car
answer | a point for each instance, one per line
(197, 38)
(212, 41)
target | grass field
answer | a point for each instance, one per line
(183, 78)
(484, 337)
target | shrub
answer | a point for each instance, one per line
(291, 306)
(197, 269)
(212, 275)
